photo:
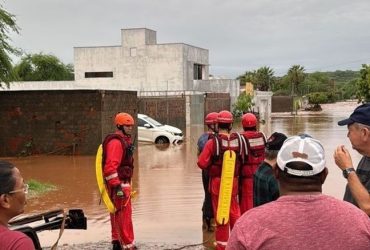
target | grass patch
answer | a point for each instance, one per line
(38, 188)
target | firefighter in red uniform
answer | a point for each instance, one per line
(254, 153)
(211, 159)
(211, 122)
(118, 170)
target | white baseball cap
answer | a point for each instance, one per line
(302, 148)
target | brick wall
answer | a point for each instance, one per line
(215, 102)
(169, 110)
(281, 104)
(59, 121)
(114, 102)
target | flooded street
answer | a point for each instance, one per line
(167, 205)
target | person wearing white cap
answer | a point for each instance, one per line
(302, 217)
(358, 188)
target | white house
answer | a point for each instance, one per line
(141, 64)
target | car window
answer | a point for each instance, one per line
(140, 122)
(154, 122)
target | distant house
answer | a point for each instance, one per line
(140, 63)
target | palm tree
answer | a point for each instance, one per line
(296, 76)
(7, 24)
(264, 78)
(248, 76)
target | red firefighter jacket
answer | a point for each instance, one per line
(117, 159)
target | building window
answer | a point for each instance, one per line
(132, 52)
(98, 74)
(198, 71)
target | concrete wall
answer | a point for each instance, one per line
(196, 110)
(137, 37)
(219, 86)
(194, 55)
(59, 122)
(96, 59)
(262, 104)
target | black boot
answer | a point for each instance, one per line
(116, 245)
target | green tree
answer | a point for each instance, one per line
(281, 86)
(242, 104)
(317, 98)
(248, 76)
(40, 67)
(7, 25)
(314, 82)
(296, 75)
(348, 90)
(363, 84)
(264, 78)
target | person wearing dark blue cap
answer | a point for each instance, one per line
(358, 186)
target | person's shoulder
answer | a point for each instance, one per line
(364, 163)
(259, 213)
(203, 137)
(343, 206)
(16, 240)
(264, 169)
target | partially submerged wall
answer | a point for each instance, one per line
(59, 122)
(169, 110)
(281, 104)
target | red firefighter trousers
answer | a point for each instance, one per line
(121, 221)
(246, 195)
(222, 231)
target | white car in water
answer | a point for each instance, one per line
(150, 130)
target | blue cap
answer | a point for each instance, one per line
(360, 115)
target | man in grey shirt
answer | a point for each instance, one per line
(358, 187)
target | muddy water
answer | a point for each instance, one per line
(167, 207)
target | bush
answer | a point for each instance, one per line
(243, 104)
(316, 99)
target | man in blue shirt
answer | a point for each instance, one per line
(211, 122)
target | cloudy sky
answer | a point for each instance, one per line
(321, 35)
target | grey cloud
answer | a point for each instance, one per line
(240, 35)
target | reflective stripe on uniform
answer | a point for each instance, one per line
(245, 145)
(109, 177)
(254, 142)
(222, 243)
(125, 184)
(128, 246)
(231, 143)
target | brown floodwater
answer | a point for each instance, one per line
(167, 205)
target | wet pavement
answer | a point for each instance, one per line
(167, 206)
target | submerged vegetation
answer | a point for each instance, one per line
(37, 188)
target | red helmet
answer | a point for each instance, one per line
(249, 120)
(225, 117)
(211, 118)
(123, 119)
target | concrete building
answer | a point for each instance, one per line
(141, 64)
